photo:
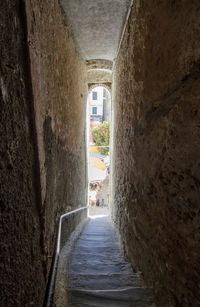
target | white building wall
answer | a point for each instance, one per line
(97, 103)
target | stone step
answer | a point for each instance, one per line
(103, 245)
(98, 281)
(99, 274)
(124, 297)
(94, 268)
(90, 256)
(95, 249)
(98, 265)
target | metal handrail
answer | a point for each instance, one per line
(49, 295)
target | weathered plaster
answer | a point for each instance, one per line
(96, 25)
(99, 64)
(99, 76)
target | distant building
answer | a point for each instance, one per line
(99, 105)
(106, 105)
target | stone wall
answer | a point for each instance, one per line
(59, 88)
(22, 268)
(156, 147)
(42, 124)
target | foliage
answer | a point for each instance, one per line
(101, 137)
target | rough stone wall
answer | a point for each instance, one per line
(22, 270)
(42, 148)
(59, 89)
(156, 147)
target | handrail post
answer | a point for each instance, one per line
(49, 295)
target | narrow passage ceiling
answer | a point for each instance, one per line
(96, 25)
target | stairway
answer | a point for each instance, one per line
(99, 275)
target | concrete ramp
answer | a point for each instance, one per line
(99, 274)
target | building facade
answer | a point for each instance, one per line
(99, 105)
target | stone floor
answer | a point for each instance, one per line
(99, 275)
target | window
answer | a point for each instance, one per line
(94, 95)
(94, 110)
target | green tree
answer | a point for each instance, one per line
(101, 137)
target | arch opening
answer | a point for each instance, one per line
(98, 150)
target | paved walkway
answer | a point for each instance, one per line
(99, 275)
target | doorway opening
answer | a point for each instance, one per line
(98, 123)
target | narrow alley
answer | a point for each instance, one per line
(133, 68)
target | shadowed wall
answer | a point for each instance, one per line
(156, 174)
(43, 172)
